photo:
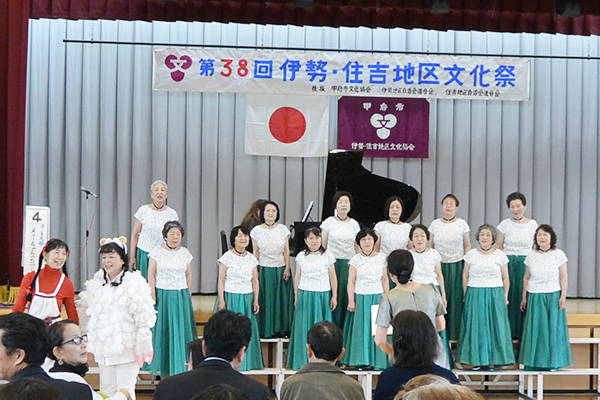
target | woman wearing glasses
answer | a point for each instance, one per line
(68, 348)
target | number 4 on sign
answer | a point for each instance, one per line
(36, 217)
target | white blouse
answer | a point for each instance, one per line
(238, 278)
(518, 238)
(393, 236)
(153, 223)
(448, 239)
(341, 237)
(544, 270)
(314, 271)
(171, 266)
(271, 244)
(485, 270)
(369, 273)
(424, 270)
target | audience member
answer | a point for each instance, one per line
(226, 337)
(415, 343)
(23, 348)
(221, 392)
(319, 378)
(418, 381)
(67, 346)
(29, 389)
(195, 353)
(441, 391)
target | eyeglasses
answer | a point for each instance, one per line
(77, 340)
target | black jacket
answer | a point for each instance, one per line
(186, 385)
(68, 390)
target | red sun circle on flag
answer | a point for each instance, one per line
(287, 124)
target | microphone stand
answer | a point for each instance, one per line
(87, 232)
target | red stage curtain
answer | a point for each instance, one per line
(14, 15)
(533, 16)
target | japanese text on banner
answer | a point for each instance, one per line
(347, 74)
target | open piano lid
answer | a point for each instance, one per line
(369, 191)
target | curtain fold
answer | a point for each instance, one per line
(13, 79)
(539, 16)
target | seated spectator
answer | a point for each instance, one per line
(440, 391)
(221, 392)
(29, 389)
(67, 346)
(23, 349)
(196, 354)
(226, 337)
(319, 378)
(418, 381)
(415, 343)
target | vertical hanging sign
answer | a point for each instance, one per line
(36, 232)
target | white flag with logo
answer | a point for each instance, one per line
(287, 125)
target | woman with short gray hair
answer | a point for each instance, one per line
(149, 222)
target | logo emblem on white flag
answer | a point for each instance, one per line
(287, 125)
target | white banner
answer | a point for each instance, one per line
(36, 232)
(341, 74)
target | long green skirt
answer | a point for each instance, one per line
(485, 332)
(242, 303)
(516, 272)
(276, 299)
(358, 336)
(175, 328)
(444, 335)
(454, 295)
(141, 259)
(341, 272)
(311, 307)
(545, 341)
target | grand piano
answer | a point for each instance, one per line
(369, 193)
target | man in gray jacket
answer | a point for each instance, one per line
(319, 378)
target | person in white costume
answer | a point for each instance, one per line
(117, 313)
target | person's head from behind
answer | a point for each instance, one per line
(226, 335)
(441, 391)
(254, 211)
(29, 389)
(325, 342)
(23, 343)
(66, 343)
(400, 264)
(196, 353)
(418, 381)
(221, 391)
(415, 340)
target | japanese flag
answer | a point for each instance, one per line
(286, 125)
